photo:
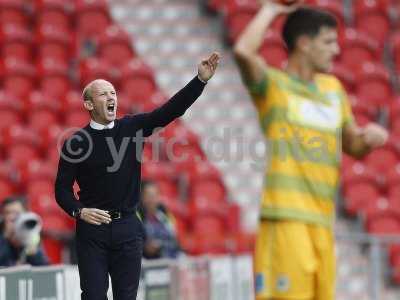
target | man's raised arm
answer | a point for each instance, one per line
(181, 101)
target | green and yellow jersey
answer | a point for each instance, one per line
(302, 123)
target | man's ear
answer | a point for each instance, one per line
(304, 43)
(88, 105)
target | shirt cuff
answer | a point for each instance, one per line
(198, 77)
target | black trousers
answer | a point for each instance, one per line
(114, 249)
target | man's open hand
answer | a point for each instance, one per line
(208, 66)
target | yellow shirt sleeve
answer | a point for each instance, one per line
(347, 114)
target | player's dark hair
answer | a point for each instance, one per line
(305, 21)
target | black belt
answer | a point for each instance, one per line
(118, 214)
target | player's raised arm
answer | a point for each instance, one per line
(246, 50)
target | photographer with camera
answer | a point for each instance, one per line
(20, 235)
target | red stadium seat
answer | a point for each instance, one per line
(184, 155)
(383, 222)
(7, 189)
(233, 218)
(205, 225)
(356, 173)
(41, 119)
(360, 195)
(357, 49)
(396, 269)
(363, 107)
(44, 204)
(216, 5)
(54, 43)
(392, 180)
(40, 100)
(44, 111)
(55, 230)
(362, 119)
(168, 188)
(92, 17)
(54, 77)
(213, 190)
(394, 116)
(55, 13)
(73, 101)
(179, 132)
(241, 242)
(22, 154)
(381, 158)
(150, 103)
(395, 47)
(16, 42)
(372, 17)
(373, 84)
(38, 187)
(176, 207)
(138, 81)
(346, 76)
(204, 206)
(93, 68)
(17, 134)
(11, 110)
(203, 171)
(273, 49)
(239, 14)
(115, 46)
(157, 170)
(196, 244)
(19, 77)
(38, 170)
(8, 118)
(13, 12)
(77, 119)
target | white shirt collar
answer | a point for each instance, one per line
(98, 126)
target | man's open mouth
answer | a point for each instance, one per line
(110, 107)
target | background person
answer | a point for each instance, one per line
(160, 232)
(294, 256)
(12, 250)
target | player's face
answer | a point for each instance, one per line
(104, 102)
(323, 49)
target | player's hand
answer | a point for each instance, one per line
(374, 135)
(208, 66)
(278, 8)
(95, 216)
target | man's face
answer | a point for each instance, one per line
(10, 214)
(323, 49)
(104, 102)
(151, 197)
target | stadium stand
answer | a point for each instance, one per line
(51, 49)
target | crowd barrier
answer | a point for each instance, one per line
(187, 278)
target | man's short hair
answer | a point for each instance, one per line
(87, 93)
(11, 200)
(305, 21)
